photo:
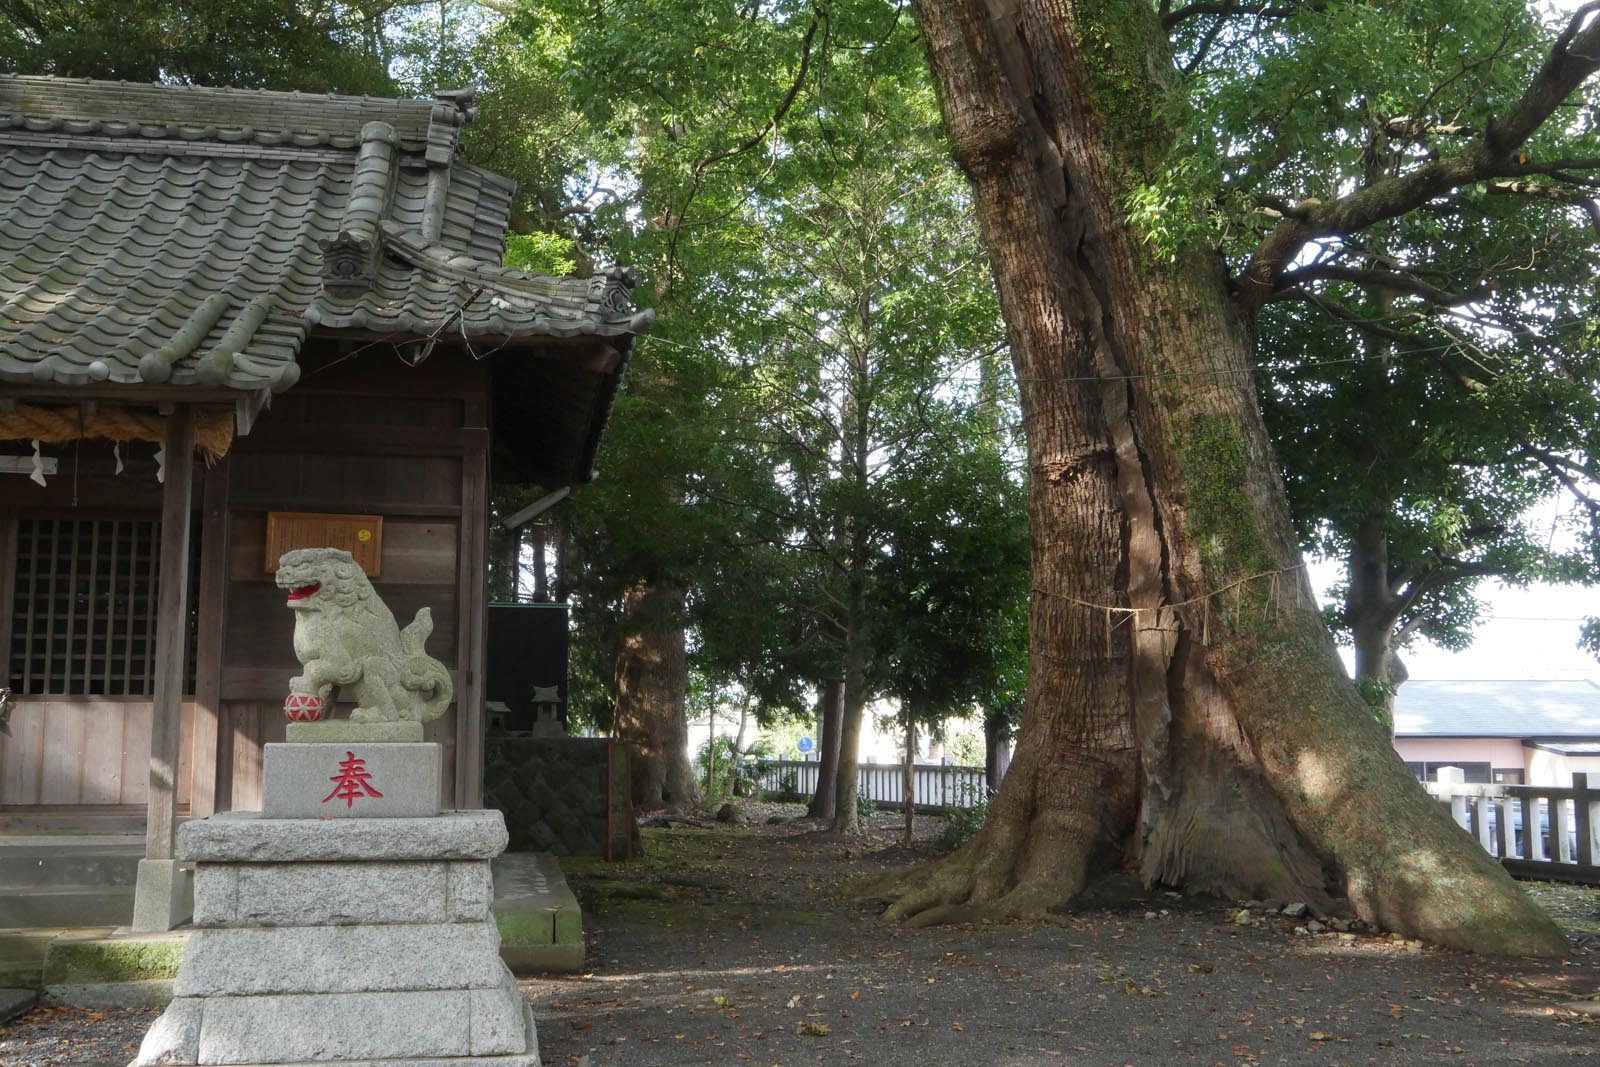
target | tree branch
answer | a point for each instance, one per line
(1563, 469)
(1224, 9)
(1552, 194)
(1415, 128)
(1573, 57)
(1396, 281)
(780, 111)
(1203, 49)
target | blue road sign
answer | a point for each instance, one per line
(805, 744)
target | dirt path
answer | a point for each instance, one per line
(735, 947)
(728, 947)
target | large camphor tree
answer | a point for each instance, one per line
(1186, 711)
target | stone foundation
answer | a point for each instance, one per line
(361, 942)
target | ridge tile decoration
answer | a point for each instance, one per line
(193, 237)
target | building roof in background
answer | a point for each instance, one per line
(1521, 709)
(186, 236)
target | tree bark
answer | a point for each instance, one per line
(847, 780)
(908, 782)
(541, 573)
(563, 587)
(1372, 608)
(652, 698)
(830, 716)
(855, 455)
(996, 734)
(1186, 710)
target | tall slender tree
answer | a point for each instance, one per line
(817, 248)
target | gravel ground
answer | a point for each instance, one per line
(741, 946)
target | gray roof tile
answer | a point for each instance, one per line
(178, 234)
(1497, 709)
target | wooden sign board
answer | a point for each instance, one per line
(359, 535)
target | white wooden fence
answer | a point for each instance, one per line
(934, 786)
(1536, 831)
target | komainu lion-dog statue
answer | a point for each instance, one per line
(345, 636)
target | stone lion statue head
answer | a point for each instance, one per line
(316, 577)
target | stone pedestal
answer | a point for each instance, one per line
(350, 780)
(351, 941)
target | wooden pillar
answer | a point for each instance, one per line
(472, 564)
(171, 629)
(8, 588)
(211, 610)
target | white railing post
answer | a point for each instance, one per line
(1505, 840)
(1558, 830)
(1458, 802)
(1586, 811)
(1539, 818)
(1480, 821)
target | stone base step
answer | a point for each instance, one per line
(101, 862)
(115, 996)
(22, 954)
(541, 925)
(443, 1026)
(15, 1002)
(62, 906)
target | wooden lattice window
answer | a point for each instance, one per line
(84, 613)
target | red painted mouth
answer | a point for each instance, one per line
(300, 592)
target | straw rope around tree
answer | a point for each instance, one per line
(213, 430)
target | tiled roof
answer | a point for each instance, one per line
(1522, 709)
(190, 236)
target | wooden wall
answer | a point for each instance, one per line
(84, 751)
(363, 434)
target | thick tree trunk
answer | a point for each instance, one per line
(652, 691)
(996, 734)
(830, 721)
(741, 737)
(1186, 710)
(1371, 610)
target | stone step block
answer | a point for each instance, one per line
(54, 865)
(27, 909)
(340, 894)
(341, 959)
(175, 1039)
(289, 1028)
(247, 837)
(350, 780)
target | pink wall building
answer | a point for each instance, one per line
(1532, 732)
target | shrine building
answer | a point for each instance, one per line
(234, 323)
